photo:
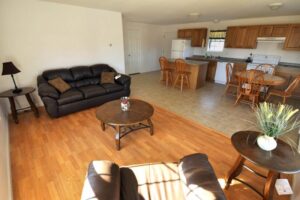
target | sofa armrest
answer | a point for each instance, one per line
(46, 90)
(199, 178)
(124, 80)
(102, 181)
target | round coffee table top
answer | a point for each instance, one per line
(282, 159)
(9, 93)
(111, 113)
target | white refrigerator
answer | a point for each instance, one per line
(181, 49)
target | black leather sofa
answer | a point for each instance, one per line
(86, 89)
(192, 178)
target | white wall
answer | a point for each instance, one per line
(151, 44)
(5, 180)
(262, 48)
(38, 35)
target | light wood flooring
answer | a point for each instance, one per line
(49, 157)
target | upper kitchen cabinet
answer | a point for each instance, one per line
(197, 36)
(242, 37)
(292, 41)
(273, 30)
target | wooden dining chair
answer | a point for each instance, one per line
(266, 68)
(166, 71)
(250, 83)
(285, 93)
(182, 73)
(231, 80)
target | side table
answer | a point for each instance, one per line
(10, 95)
(281, 160)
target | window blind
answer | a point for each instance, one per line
(217, 34)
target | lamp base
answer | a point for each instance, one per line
(17, 90)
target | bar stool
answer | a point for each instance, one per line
(166, 72)
(182, 73)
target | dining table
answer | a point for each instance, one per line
(268, 79)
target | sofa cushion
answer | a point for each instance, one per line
(151, 181)
(112, 87)
(92, 91)
(59, 84)
(70, 96)
(107, 77)
(65, 74)
(81, 72)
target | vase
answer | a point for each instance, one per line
(266, 143)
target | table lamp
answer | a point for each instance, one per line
(10, 69)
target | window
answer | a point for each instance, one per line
(216, 40)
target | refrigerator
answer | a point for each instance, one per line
(181, 49)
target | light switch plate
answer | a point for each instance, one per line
(283, 187)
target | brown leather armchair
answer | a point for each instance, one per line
(193, 178)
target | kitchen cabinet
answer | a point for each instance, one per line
(273, 30)
(211, 71)
(242, 37)
(292, 41)
(180, 34)
(197, 36)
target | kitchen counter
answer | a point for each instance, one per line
(192, 62)
(198, 71)
(236, 60)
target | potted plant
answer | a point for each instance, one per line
(274, 121)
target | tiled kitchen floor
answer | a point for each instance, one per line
(206, 105)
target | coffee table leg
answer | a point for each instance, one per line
(270, 184)
(151, 126)
(118, 138)
(13, 109)
(235, 170)
(32, 105)
(103, 126)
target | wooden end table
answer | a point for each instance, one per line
(283, 159)
(125, 122)
(10, 95)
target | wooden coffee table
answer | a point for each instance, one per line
(125, 122)
(283, 159)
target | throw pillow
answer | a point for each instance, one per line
(107, 77)
(59, 84)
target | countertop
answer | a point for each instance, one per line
(191, 62)
(236, 60)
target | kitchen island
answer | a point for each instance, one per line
(198, 71)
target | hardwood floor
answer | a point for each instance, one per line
(49, 157)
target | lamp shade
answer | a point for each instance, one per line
(9, 68)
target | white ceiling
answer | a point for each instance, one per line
(175, 11)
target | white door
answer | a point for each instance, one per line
(132, 51)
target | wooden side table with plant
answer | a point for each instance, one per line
(265, 149)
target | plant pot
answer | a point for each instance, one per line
(266, 143)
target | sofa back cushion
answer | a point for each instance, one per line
(79, 76)
(99, 68)
(65, 74)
